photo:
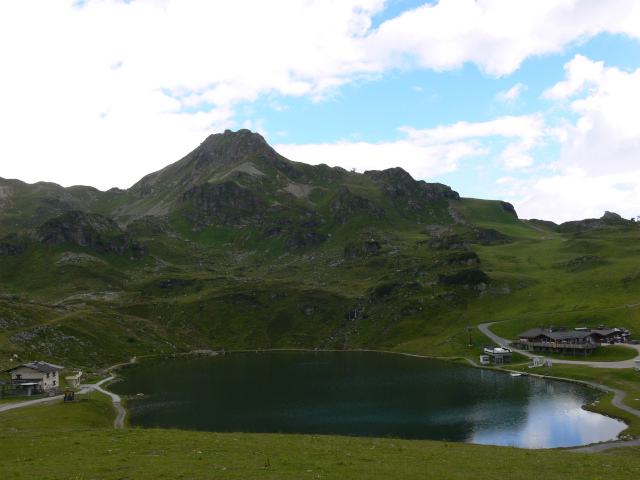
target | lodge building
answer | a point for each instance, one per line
(580, 341)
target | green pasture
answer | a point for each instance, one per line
(154, 454)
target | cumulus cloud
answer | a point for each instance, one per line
(497, 35)
(421, 161)
(427, 153)
(606, 136)
(137, 85)
(571, 195)
(580, 72)
(108, 82)
(598, 167)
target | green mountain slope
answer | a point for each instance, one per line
(234, 246)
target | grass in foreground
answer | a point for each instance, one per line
(53, 441)
(154, 454)
(57, 415)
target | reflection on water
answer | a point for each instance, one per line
(366, 394)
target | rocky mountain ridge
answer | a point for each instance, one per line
(235, 246)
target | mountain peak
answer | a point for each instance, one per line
(226, 148)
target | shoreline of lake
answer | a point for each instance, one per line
(447, 361)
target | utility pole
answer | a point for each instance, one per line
(470, 339)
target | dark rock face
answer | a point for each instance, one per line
(450, 242)
(354, 250)
(301, 238)
(464, 258)
(473, 278)
(508, 208)
(611, 216)
(175, 283)
(10, 245)
(147, 225)
(608, 219)
(489, 236)
(349, 205)
(230, 147)
(227, 202)
(84, 229)
(398, 185)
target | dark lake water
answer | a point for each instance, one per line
(362, 394)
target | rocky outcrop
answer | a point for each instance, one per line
(227, 202)
(349, 205)
(12, 244)
(508, 208)
(464, 258)
(86, 230)
(397, 185)
(361, 249)
(223, 149)
(489, 236)
(147, 226)
(450, 242)
(608, 219)
(302, 238)
(471, 279)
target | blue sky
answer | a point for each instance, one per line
(533, 102)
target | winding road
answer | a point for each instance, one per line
(117, 403)
(28, 403)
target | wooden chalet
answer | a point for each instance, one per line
(609, 335)
(548, 339)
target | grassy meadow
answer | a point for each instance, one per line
(228, 288)
(81, 449)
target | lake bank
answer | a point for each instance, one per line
(362, 393)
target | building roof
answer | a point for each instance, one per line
(554, 334)
(39, 366)
(610, 331)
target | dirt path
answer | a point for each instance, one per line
(117, 403)
(28, 403)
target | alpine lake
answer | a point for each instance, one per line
(362, 394)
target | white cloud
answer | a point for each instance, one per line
(106, 91)
(512, 95)
(508, 126)
(606, 137)
(428, 153)
(572, 196)
(108, 83)
(497, 35)
(421, 161)
(598, 168)
(580, 72)
(516, 156)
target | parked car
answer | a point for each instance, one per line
(634, 342)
